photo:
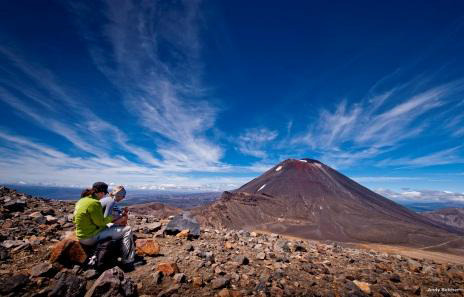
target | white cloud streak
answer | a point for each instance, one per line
(379, 124)
(443, 157)
(254, 141)
(422, 195)
(164, 94)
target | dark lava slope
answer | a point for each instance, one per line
(307, 198)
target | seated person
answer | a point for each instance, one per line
(111, 208)
(91, 225)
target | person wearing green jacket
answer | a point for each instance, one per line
(91, 225)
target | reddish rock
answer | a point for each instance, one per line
(224, 293)
(147, 247)
(197, 281)
(363, 286)
(68, 251)
(237, 294)
(168, 268)
(8, 224)
(183, 234)
(275, 291)
(231, 293)
(43, 227)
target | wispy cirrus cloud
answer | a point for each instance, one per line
(58, 117)
(155, 64)
(381, 123)
(422, 195)
(443, 157)
(385, 178)
(37, 163)
(150, 53)
(253, 142)
(456, 124)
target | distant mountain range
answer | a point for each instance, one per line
(186, 199)
(449, 216)
(308, 199)
(419, 206)
(134, 196)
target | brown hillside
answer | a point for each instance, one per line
(307, 198)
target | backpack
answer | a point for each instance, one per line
(104, 256)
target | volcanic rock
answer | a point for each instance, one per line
(43, 269)
(189, 247)
(363, 286)
(158, 277)
(282, 246)
(261, 256)
(12, 243)
(167, 268)
(90, 274)
(38, 217)
(68, 252)
(113, 283)
(181, 222)
(224, 293)
(179, 278)
(13, 284)
(153, 227)
(147, 247)
(15, 206)
(183, 234)
(169, 291)
(197, 281)
(68, 284)
(395, 278)
(51, 219)
(4, 253)
(242, 260)
(220, 282)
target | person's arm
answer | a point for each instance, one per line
(109, 208)
(96, 214)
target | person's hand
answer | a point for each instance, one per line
(121, 220)
(124, 220)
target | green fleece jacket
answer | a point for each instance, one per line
(88, 217)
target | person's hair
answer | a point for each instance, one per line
(88, 192)
(118, 191)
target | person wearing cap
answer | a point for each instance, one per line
(91, 225)
(110, 207)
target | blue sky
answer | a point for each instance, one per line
(208, 95)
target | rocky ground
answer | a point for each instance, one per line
(217, 263)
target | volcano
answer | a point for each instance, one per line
(308, 199)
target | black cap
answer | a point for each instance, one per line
(100, 187)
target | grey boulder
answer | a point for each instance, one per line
(181, 222)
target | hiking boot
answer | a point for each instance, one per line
(139, 261)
